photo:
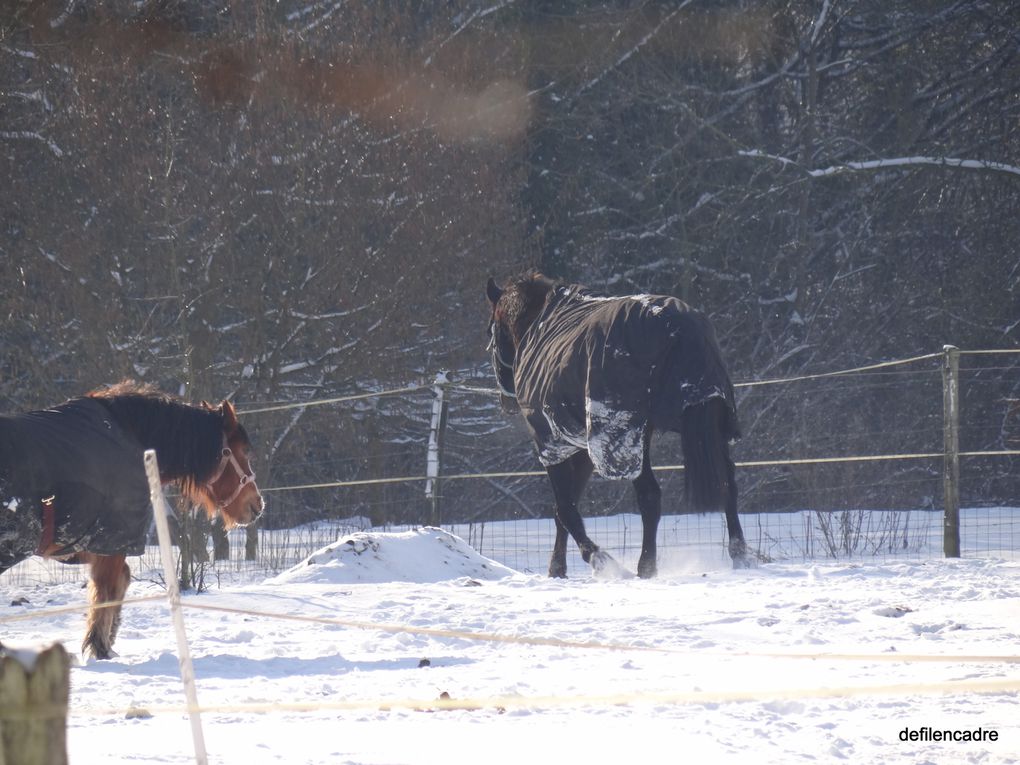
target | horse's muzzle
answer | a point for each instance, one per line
(256, 507)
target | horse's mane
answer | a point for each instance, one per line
(187, 438)
(133, 388)
(522, 300)
(532, 285)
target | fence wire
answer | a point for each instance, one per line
(816, 476)
(885, 503)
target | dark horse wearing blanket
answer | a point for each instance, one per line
(73, 484)
(594, 377)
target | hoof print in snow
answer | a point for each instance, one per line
(936, 629)
(444, 696)
(894, 612)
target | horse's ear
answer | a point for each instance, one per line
(229, 417)
(493, 292)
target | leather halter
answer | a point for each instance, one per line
(499, 363)
(227, 458)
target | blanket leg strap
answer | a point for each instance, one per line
(48, 526)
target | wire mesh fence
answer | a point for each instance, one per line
(832, 466)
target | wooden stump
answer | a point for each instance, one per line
(34, 693)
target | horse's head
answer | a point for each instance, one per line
(514, 308)
(231, 487)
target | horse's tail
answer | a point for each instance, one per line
(705, 433)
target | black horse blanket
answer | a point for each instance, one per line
(593, 372)
(77, 460)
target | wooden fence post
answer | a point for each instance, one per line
(437, 435)
(951, 448)
(159, 511)
(33, 707)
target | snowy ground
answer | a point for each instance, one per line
(344, 658)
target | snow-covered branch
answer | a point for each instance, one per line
(634, 49)
(882, 164)
(32, 135)
(463, 24)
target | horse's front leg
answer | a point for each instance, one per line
(568, 480)
(109, 577)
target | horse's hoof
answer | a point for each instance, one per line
(605, 566)
(558, 568)
(743, 560)
(99, 654)
(646, 570)
(740, 555)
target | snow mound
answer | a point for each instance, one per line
(425, 555)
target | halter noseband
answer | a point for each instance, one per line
(227, 458)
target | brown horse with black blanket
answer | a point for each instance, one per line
(594, 377)
(73, 484)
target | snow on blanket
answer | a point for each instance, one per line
(593, 372)
(420, 555)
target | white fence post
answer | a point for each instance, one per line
(174, 596)
(951, 447)
(437, 431)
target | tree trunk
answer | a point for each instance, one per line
(221, 543)
(251, 542)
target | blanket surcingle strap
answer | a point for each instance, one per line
(49, 525)
(593, 371)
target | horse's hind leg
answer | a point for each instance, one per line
(568, 480)
(738, 547)
(649, 499)
(558, 561)
(109, 577)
